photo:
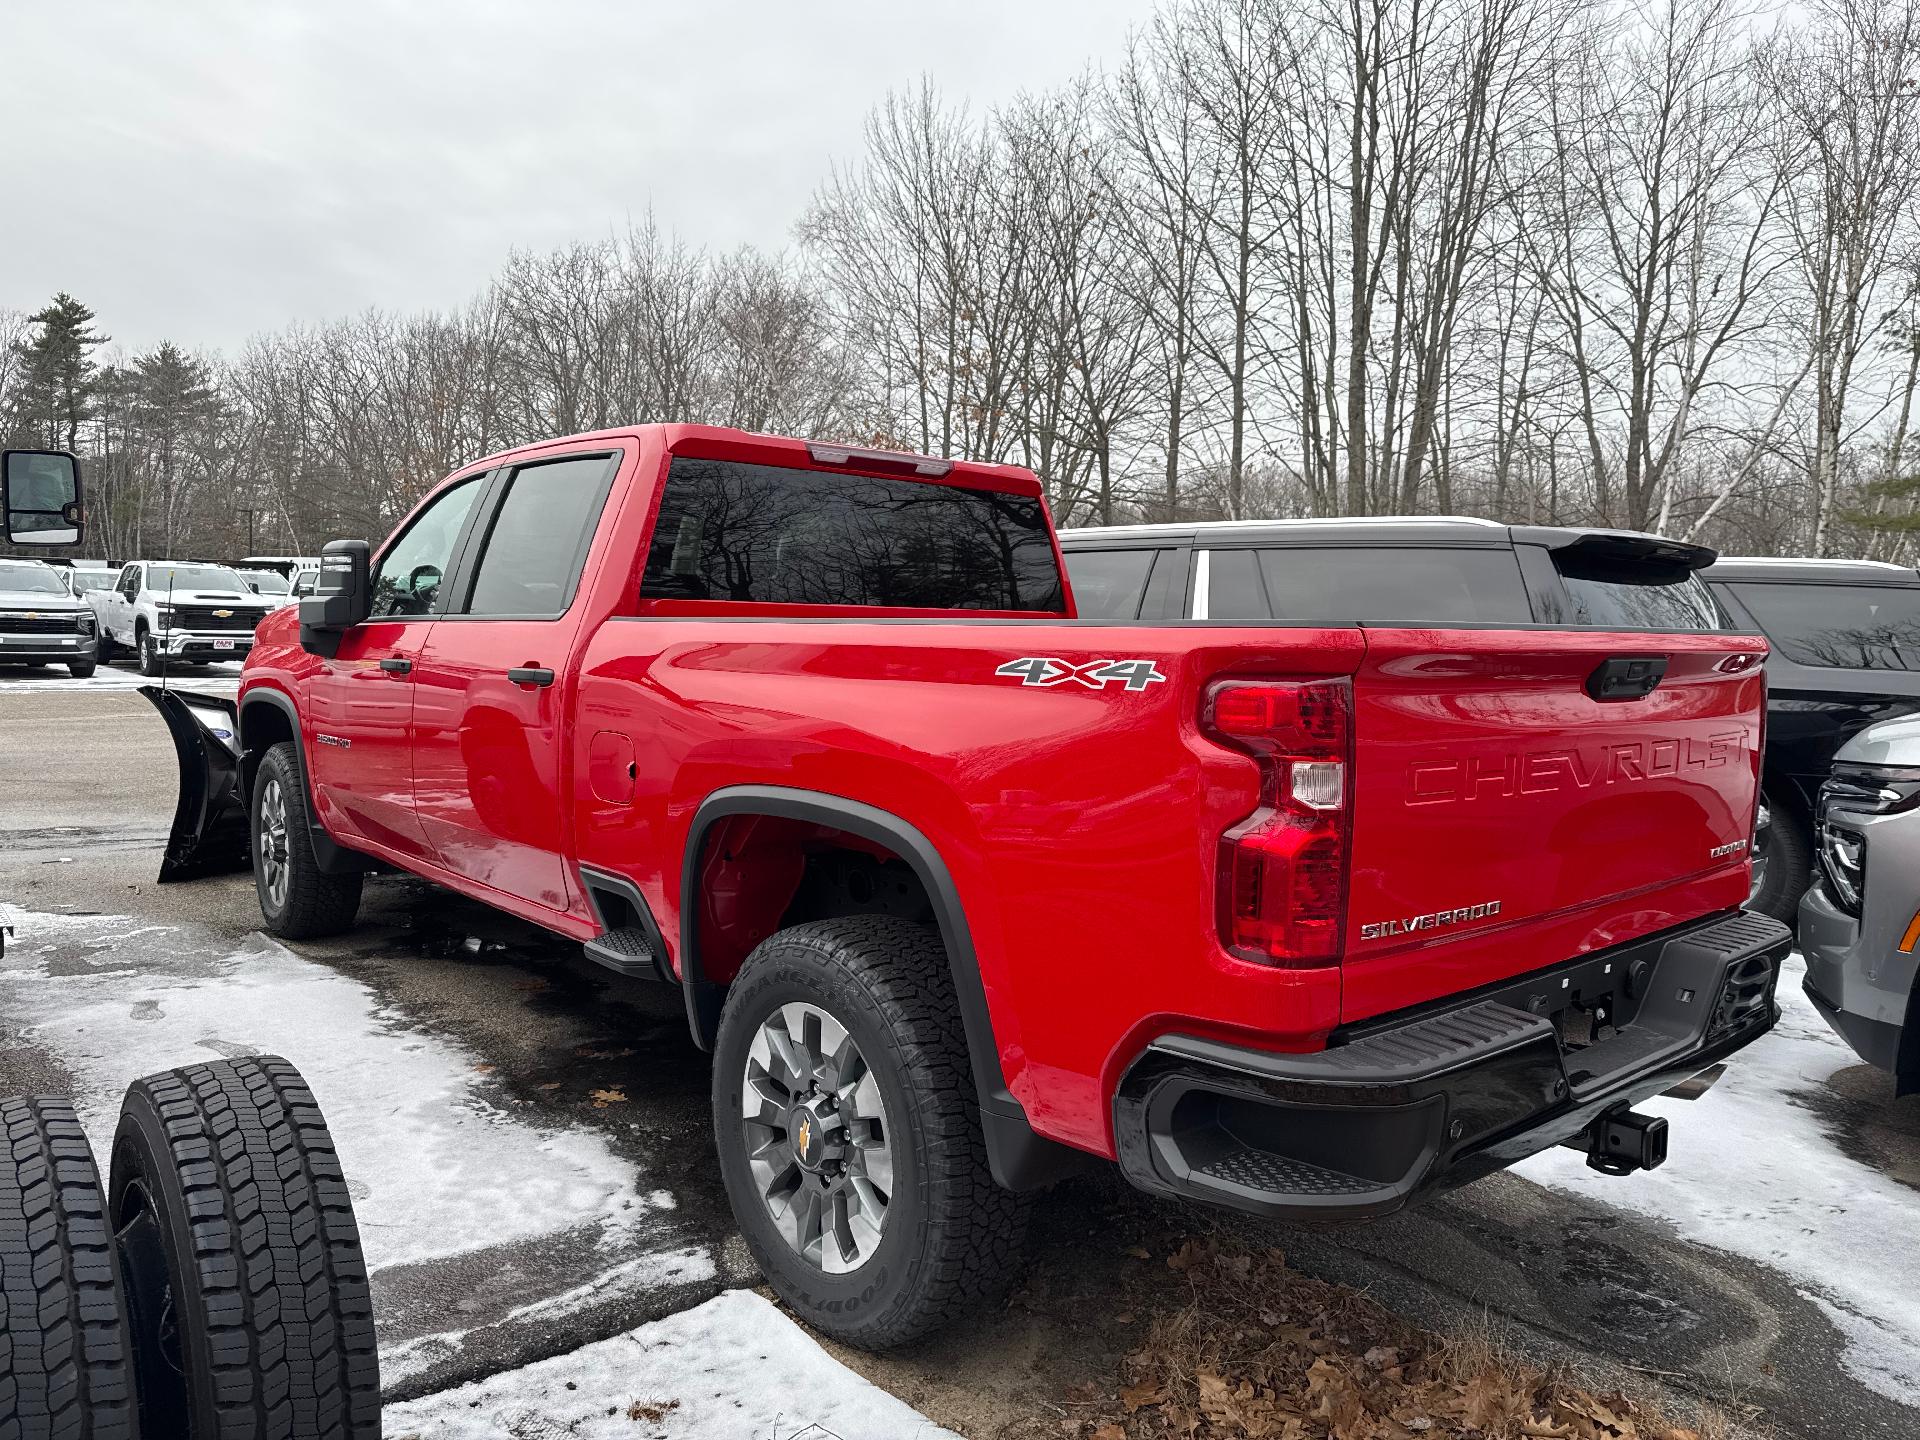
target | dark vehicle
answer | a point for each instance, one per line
(1846, 652)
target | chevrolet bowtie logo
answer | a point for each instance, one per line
(223, 614)
(806, 1137)
(33, 614)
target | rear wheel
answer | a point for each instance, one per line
(849, 1136)
(297, 899)
(246, 1285)
(1782, 856)
(66, 1367)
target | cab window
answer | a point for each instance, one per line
(537, 541)
(407, 579)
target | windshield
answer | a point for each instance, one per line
(85, 580)
(30, 579)
(267, 582)
(194, 577)
(1843, 627)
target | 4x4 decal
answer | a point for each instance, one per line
(1046, 670)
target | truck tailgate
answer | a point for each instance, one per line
(1504, 819)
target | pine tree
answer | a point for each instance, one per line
(58, 376)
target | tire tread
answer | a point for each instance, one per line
(65, 1363)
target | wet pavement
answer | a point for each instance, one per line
(531, 1133)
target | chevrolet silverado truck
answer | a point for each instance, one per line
(963, 893)
(170, 611)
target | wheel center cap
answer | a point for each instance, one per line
(814, 1132)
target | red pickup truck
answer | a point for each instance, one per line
(960, 892)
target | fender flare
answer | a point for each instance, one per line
(329, 854)
(1020, 1158)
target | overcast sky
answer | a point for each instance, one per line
(204, 170)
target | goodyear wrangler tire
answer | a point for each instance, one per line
(66, 1371)
(298, 900)
(850, 1145)
(246, 1288)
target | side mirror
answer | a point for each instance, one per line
(341, 596)
(40, 497)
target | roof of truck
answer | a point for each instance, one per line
(754, 448)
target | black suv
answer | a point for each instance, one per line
(1846, 652)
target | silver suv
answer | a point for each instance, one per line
(1860, 923)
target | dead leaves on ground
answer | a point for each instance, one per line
(1263, 1353)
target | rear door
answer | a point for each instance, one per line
(360, 703)
(1526, 795)
(492, 686)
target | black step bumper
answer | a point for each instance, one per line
(1444, 1094)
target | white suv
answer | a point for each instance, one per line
(179, 609)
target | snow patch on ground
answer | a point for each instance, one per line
(737, 1368)
(435, 1168)
(1752, 1170)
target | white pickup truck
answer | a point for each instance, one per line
(177, 610)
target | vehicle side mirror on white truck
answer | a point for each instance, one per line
(341, 597)
(40, 497)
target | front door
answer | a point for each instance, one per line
(495, 682)
(360, 704)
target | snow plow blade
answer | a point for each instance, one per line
(210, 831)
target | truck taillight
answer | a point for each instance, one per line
(1283, 869)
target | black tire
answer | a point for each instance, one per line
(103, 647)
(152, 662)
(246, 1286)
(950, 1235)
(66, 1367)
(311, 903)
(1788, 857)
(81, 669)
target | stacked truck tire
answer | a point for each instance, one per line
(212, 1288)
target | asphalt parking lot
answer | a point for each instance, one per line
(528, 1138)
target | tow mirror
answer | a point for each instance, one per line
(40, 497)
(341, 597)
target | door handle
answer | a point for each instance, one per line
(530, 675)
(393, 665)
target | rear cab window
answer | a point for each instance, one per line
(1840, 627)
(735, 531)
(1609, 592)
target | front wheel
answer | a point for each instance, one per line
(298, 900)
(849, 1136)
(81, 669)
(151, 660)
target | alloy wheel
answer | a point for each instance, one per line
(274, 863)
(818, 1137)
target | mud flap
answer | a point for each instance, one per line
(210, 828)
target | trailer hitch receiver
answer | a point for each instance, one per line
(1622, 1141)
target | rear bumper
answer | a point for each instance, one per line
(1444, 1094)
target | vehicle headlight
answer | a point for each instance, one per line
(1854, 789)
(1871, 789)
(84, 621)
